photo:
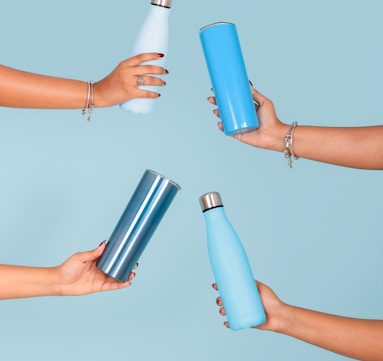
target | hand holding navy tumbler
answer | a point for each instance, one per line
(223, 55)
(142, 215)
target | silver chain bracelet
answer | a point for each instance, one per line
(288, 151)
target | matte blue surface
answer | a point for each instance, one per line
(151, 36)
(232, 272)
(138, 222)
(224, 59)
(312, 233)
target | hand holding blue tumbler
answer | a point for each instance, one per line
(142, 215)
(223, 55)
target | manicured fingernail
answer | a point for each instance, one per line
(250, 83)
(160, 55)
(158, 94)
(101, 243)
(166, 71)
(164, 83)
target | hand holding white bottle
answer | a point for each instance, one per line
(153, 36)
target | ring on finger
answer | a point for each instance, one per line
(140, 80)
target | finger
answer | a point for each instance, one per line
(152, 80)
(115, 285)
(92, 255)
(151, 69)
(147, 94)
(220, 126)
(140, 58)
(257, 96)
(218, 301)
(216, 113)
(214, 285)
(132, 275)
(222, 311)
(226, 324)
(212, 100)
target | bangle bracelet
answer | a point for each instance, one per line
(89, 105)
(288, 151)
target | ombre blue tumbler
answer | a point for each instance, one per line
(142, 215)
(226, 67)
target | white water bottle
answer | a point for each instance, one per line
(153, 36)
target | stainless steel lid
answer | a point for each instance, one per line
(210, 200)
(164, 3)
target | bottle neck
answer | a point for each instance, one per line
(215, 213)
(156, 10)
(161, 6)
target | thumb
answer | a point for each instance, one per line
(92, 255)
(257, 96)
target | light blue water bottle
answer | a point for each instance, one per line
(153, 36)
(231, 267)
(223, 55)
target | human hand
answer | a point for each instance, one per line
(121, 84)
(79, 275)
(271, 132)
(272, 305)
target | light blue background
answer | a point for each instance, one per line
(312, 233)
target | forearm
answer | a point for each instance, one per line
(355, 338)
(21, 282)
(356, 147)
(22, 89)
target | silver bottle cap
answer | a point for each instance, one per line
(163, 3)
(210, 200)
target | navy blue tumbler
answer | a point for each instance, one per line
(142, 215)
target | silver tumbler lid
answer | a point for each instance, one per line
(164, 3)
(210, 200)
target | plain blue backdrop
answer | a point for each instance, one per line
(313, 233)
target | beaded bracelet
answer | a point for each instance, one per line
(289, 151)
(89, 106)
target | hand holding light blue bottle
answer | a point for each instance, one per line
(153, 36)
(231, 267)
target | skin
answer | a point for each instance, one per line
(21, 89)
(354, 147)
(78, 275)
(351, 337)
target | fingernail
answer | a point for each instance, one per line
(250, 83)
(158, 95)
(164, 83)
(101, 243)
(160, 55)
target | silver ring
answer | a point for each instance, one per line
(140, 80)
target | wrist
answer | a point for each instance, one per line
(275, 138)
(55, 282)
(285, 318)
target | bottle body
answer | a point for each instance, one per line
(226, 67)
(153, 36)
(142, 215)
(232, 272)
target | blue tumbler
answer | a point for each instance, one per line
(146, 208)
(226, 67)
